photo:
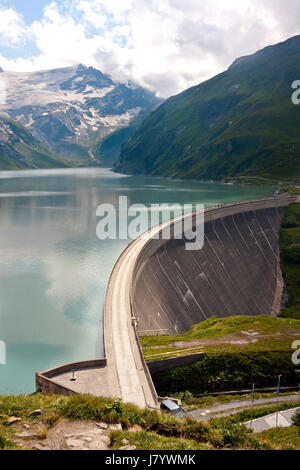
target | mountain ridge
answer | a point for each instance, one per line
(20, 150)
(239, 123)
(69, 109)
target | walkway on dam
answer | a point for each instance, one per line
(129, 374)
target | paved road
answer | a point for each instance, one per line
(129, 367)
(128, 376)
(238, 405)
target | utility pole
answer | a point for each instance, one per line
(253, 398)
(278, 391)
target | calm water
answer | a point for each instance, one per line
(54, 270)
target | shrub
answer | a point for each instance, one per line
(296, 418)
(5, 443)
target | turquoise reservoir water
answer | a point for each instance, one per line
(54, 270)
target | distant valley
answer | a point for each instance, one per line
(20, 150)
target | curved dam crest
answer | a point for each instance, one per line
(159, 285)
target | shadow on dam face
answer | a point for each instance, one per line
(237, 272)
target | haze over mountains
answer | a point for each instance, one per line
(69, 110)
(241, 122)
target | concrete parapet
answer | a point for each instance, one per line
(57, 380)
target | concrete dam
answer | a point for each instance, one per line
(158, 285)
(237, 272)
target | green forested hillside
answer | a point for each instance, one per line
(290, 260)
(19, 149)
(240, 123)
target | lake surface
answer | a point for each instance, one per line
(53, 268)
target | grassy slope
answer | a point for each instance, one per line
(276, 330)
(107, 150)
(156, 428)
(158, 431)
(280, 438)
(24, 151)
(214, 131)
(290, 259)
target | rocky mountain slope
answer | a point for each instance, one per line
(69, 109)
(20, 150)
(241, 122)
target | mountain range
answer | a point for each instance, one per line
(20, 150)
(72, 110)
(240, 123)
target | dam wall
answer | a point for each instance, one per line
(237, 272)
(158, 286)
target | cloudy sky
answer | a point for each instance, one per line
(165, 45)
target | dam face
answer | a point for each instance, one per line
(237, 272)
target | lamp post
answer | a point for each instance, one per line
(73, 378)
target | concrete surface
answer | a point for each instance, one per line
(157, 284)
(236, 273)
(91, 377)
(128, 369)
(284, 420)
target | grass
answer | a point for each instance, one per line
(280, 438)
(191, 402)
(150, 440)
(276, 330)
(293, 189)
(158, 431)
(290, 259)
(157, 428)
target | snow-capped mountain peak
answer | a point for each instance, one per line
(70, 108)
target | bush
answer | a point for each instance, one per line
(233, 369)
(5, 443)
(234, 434)
(296, 418)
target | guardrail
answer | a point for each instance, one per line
(153, 332)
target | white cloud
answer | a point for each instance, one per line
(166, 45)
(12, 27)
